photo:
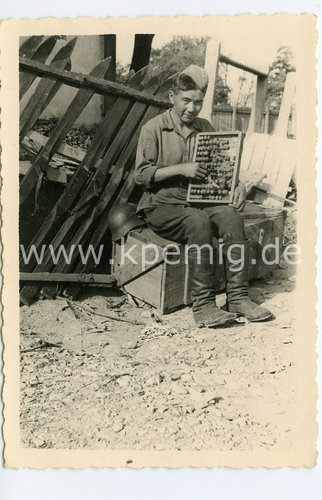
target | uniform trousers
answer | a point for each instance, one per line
(191, 225)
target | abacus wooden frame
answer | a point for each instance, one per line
(235, 178)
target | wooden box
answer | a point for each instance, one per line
(220, 152)
(167, 286)
(159, 284)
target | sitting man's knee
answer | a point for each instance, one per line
(233, 225)
(199, 228)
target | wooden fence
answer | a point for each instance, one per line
(228, 118)
(76, 212)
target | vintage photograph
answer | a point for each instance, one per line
(159, 205)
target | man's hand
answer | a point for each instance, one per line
(194, 171)
(239, 199)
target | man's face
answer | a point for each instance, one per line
(187, 104)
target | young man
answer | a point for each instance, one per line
(164, 168)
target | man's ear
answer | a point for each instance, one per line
(171, 95)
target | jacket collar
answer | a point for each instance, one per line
(168, 123)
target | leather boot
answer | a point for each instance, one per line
(202, 275)
(238, 300)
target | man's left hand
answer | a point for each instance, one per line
(239, 199)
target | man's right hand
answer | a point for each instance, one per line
(194, 171)
(189, 170)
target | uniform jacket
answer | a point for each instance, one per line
(161, 145)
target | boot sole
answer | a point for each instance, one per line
(265, 318)
(216, 324)
(269, 316)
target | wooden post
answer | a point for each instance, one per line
(285, 109)
(211, 66)
(109, 42)
(266, 121)
(141, 51)
(258, 105)
(234, 118)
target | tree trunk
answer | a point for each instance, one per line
(141, 51)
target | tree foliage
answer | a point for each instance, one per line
(179, 53)
(182, 51)
(283, 63)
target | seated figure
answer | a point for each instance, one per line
(164, 168)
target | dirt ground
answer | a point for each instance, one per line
(156, 382)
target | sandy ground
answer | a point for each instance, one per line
(155, 382)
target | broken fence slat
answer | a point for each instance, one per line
(35, 105)
(29, 46)
(107, 279)
(40, 55)
(75, 108)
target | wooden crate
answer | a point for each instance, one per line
(160, 284)
(167, 286)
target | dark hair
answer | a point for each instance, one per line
(183, 82)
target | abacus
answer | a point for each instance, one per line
(220, 152)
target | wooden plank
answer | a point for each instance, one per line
(34, 141)
(40, 55)
(211, 67)
(258, 105)
(107, 279)
(55, 88)
(272, 160)
(147, 287)
(53, 174)
(29, 46)
(286, 105)
(132, 270)
(248, 151)
(259, 153)
(255, 211)
(75, 108)
(34, 107)
(263, 197)
(279, 164)
(285, 173)
(135, 80)
(99, 85)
